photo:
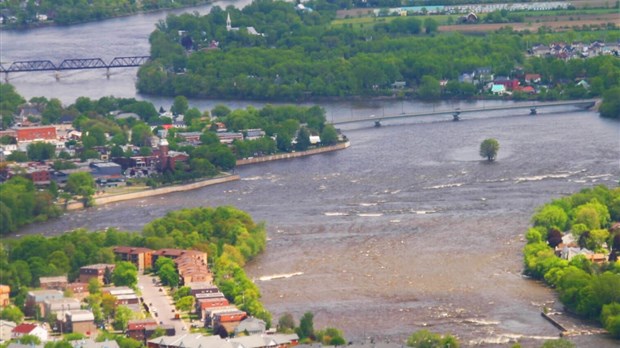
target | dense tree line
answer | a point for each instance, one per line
(21, 203)
(302, 56)
(585, 288)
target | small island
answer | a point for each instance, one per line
(574, 247)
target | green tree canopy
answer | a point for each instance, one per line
(489, 148)
(125, 274)
(81, 184)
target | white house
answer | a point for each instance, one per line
(29, 329)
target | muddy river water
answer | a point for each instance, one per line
(406, 229)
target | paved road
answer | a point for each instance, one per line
(160, 304)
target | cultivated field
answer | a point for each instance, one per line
(533, 23)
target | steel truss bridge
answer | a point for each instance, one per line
(456, 113)
(73, 64)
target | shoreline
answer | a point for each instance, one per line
(277, 157)
(102, 200)
(105, 199)
(51, 23)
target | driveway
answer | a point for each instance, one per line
(160, 304)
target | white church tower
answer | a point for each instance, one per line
(228, 23)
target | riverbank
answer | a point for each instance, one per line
(51, 23)
(339, 146)
(112, 198)
(105, 199)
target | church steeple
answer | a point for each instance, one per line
(228, 23)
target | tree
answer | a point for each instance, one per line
(306, 326)
(185, 303)
(122, 317)
(29, 340)
(168, 275)
(40, 151)
(286, 323)
(180, 105)
(12, 313)
(141, 134)
(427, 339)
(489, 148)
(610, 107)
(429, 87)
(303, 139)
(125, 274)
(561, 343)
(329, 135)
(82, 184)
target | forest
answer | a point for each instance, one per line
(588, 220)
(297, 54)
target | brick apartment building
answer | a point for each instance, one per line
(36, 133)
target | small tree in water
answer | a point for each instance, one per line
(489, 148)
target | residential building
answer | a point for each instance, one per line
(35, 299)
(253, 134)
(202, 288)
(136, 329)
(29, 329)
(5, 292)
(142, 329)
(53, 283)
(202, 341)
(177, 253)
(509, 83)
(210, 303)
(125, 296)
(227, 320)
(251, 325)
(532, 78)
(81, 321)
(190, 137)
(95, 271)
(140, 257)
(498, 89)
(90, 343)
(59, 306)
(36, 133)
(6, 330)
(79, 290)
(229, 137)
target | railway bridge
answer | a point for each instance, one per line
(72, 64)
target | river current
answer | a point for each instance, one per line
(407, 229)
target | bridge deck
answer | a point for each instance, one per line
(578, 103)
(74, 64)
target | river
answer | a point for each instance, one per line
(407, 229)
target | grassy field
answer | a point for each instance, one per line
(363, 20)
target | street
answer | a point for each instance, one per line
(159, 303)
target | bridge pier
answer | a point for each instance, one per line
(533, 111)
(107, 73)
(6, 77)
(57, 75)
(456, 116)
(377, 124)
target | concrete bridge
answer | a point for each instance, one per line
(456, 113)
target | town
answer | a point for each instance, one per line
(60, 307)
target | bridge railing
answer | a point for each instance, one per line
(74, 64)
